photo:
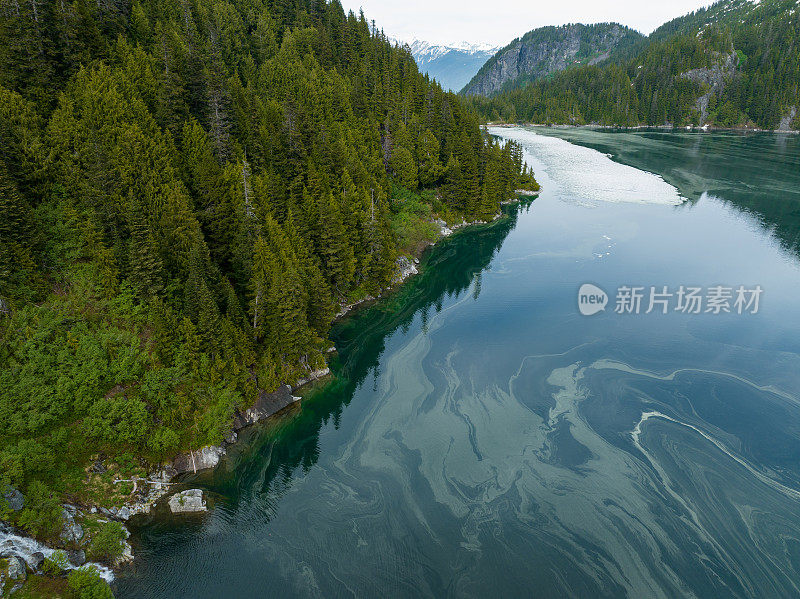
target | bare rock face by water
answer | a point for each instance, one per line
(713, 80)
(266, 405)
(786, 121)
(14, 568)
(312, 376)
(187, 502)
(194, 461)
(404, 269)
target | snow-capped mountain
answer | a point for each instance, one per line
(452, 65)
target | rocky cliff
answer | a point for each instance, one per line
(712, 80)
(548, 50)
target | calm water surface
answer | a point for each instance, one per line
(482, 438)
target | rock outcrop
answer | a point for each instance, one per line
(194, 461)
(72, 532)
(15, 568)
(404, 268)
(312, 376)
(786, 121)
(14, 499)
(266, 405)
(187, 502)
(713, 80)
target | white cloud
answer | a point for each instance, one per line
(499, 21)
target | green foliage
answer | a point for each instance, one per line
(106, 544)
(412, 219)
(42, 514)
(86, 583)
(56, 563)
(404, 167)
(188, 190)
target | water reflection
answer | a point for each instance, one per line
(483, 438)
(757, 173)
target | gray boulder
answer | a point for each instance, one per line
(35, 560)
(72, 531)
(195, 461)
(187, 502)
(15, 499)
(77, 558)
(16, 568)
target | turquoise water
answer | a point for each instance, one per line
(483, 438)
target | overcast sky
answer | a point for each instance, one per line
(499, 21)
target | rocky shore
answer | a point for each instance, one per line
(20, 554)
(782, 128)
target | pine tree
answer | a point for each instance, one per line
(404, 167)
(430, 167)
(337, 254)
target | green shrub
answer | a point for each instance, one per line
(56, 563)
(86, 583)
(107, 545)
(41, 515)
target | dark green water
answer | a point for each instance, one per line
(483, 438)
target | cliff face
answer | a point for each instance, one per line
(548, 50)
(712, 80)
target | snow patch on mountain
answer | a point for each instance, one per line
(452, 65)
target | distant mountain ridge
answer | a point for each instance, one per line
(547, 50)
(734, 64)
(452, 65)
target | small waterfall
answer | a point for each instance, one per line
(25, 547)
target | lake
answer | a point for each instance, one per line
(483, 437)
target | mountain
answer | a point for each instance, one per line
(452, 66)
(548, 50)
(735, 64)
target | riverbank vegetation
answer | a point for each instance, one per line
(188, 189)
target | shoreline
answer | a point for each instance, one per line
(176, 478)
(271, 403)
(166, 479)
(664, 128)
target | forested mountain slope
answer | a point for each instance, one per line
(734, 64)
(188, 190)
(548, 50)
